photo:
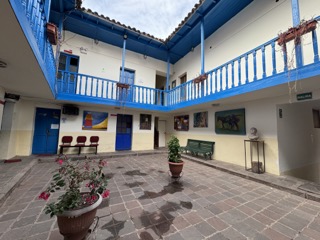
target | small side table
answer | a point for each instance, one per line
(256, 165)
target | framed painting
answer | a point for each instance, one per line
(145, 121)
(181, 123)
(94, 120)
(200, 120)
(231, 122)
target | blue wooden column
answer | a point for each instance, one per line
(296, 22)
(123, 57)
(168, 73)
(202, 46)
(202, 71)
(166, 100)
(47, 6)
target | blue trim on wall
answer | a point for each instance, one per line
(25, 26)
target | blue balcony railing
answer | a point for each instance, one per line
(31, 15)
(81, 85)
(264, 66)
(266, 61)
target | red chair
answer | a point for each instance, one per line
(81, 142)
(66, 142)
(94, 142)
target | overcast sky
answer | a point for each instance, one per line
(156, 17)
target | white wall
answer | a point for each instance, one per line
(258, 23)
(103, 60)
(230, 148)
(298, 139)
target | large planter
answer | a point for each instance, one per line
(52, 33)
(176, 168)
(74, 224)
(295, 33)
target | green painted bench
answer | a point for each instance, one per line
(196, 147)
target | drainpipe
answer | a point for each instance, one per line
(296, 22)
(202, 46)
(123, 57)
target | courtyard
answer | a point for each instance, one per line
(144, 203)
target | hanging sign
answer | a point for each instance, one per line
(304, 96)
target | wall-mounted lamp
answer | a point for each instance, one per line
(192, 49)
(125, 36)
(3, 64)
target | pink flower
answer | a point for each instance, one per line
(94, 197)
(103, 163)
(60, 161)
(105, 194)
(44, 196)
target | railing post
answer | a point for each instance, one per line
(274, 66)
(285, 57)
(239, 71)
(254, 65)
(315, 46)
(247, 69)
(232, 73)
(264, 62)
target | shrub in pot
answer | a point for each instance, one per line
(174, 157)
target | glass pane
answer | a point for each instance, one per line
(62, 62)
(74, 62)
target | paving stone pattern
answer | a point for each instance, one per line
(145, 204)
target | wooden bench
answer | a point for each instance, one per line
(81, 142)
(195, 147)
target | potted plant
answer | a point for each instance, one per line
(76, 210)
(174, 157)
(294, 33)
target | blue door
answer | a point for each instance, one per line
(46, 131)
(124, 132)
(67, 80)
(128, 78)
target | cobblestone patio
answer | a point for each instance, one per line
(144, 204)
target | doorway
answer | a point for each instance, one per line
(299, 139)
(183, 79)
(46, 131)
(124, 132)
(66, 79)
(125, 94)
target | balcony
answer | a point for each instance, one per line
(265, 66)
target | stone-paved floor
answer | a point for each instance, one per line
(145, 204)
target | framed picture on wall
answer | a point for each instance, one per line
(181, 123)
(200, 120)
(145, 121)
(174, 84)
(231, 122)
(95, 120)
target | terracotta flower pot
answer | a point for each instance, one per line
(295, 33)
(176, 169)
(52, 33)
(74, 224)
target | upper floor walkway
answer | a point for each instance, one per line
(265, 66)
